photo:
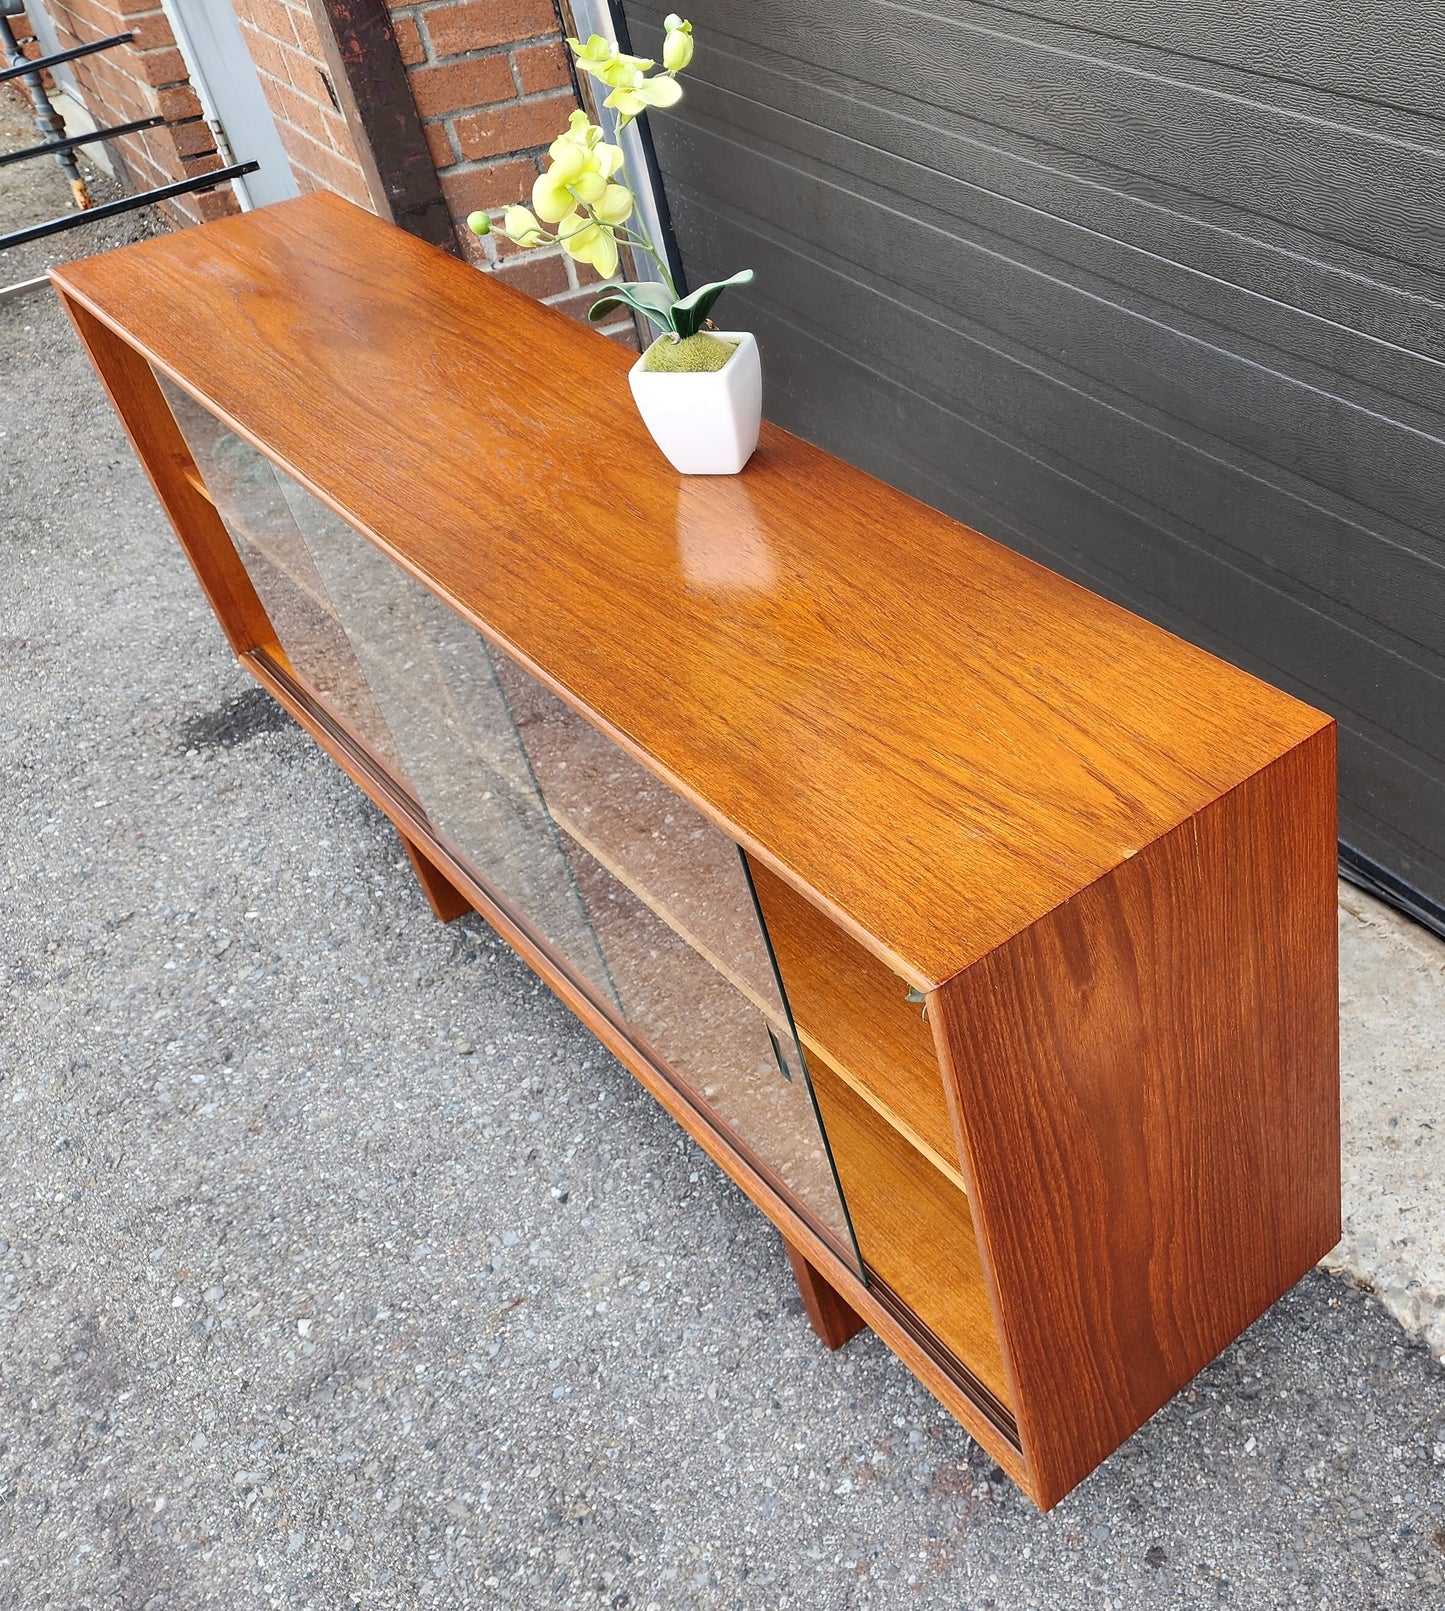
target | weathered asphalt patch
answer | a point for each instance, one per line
(245, 715)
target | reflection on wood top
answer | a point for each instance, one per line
(937, 738)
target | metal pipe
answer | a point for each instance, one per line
(8, 293)
(47, 119)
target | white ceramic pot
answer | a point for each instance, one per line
(705, 424)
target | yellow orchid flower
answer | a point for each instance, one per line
(589, 243)
(613, 206)
(569, 159)
(551, 197)
(595, 53)
(632, 100)
(582, 164)
(604, 60)
(588, 186)
(583, 201)
(579, 128)
(580, 134)
(522, 228)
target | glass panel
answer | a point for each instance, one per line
(246, 490)
(675, 915)
(431, 677)
(668, 854)
(646, 901)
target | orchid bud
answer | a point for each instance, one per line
(479, 223)
(677, 49)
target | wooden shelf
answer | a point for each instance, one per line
(914, 1229)
(1107, 858)
(852, 1012)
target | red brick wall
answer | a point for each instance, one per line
(491, 83)
(490, 79)
(282, 39)
(139, 80)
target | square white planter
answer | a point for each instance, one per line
(705, 424)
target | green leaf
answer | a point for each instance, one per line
(647, 297)
(689, 315)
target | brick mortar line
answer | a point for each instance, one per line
(465, 165)
(469, 110)
(481, 53)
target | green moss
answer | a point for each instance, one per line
(702, 354)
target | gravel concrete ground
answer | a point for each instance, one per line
(35, 191)
(1392, 1040)
(340, 1267)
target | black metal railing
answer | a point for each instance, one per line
(62, 146)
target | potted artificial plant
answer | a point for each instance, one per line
(699, 390)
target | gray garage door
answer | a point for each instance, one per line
(1152, 292)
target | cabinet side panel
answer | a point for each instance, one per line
(1147, 1087)
(136, 397)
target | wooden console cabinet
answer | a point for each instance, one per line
(983, 933)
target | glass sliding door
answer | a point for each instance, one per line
(639, 898)
(674, 913)
(249, 495)
(431, 676)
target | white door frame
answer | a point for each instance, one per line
(208, 36)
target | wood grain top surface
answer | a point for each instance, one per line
(937, 739)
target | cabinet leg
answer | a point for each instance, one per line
(831, 1316)
(447, 901)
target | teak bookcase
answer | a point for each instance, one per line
(982, 932)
